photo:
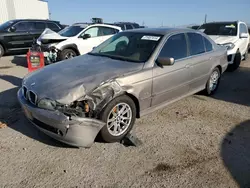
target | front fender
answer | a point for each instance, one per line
(70, 46)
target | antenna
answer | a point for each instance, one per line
(205, 18)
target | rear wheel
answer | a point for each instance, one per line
(67, 54)
(236, 63)
(213, 82)
(119, 115)
(1, 51)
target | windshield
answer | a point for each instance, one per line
(6, 25)
(71, 31)
(226, 29)
(129, 46)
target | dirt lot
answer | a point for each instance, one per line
(196, 142)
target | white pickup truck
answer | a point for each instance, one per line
(233, 35)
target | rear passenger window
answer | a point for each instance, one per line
(103, 31)
(129, 27)
(52, 26)
(39, 25)
(175, 47)
(122, 27)
(196, 43)
(208, 45)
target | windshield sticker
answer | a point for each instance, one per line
(201, 30)
(154, 38)
(230, 26)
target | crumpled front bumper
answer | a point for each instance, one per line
(80, 132)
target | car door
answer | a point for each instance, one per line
(86, 45)
(172, 82)
(20, 37)
(243, 41)
(201, 60)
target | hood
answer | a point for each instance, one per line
(69, 80)
(50, 36)
(223, 39)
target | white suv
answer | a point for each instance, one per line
(75, 40)
(234, 36)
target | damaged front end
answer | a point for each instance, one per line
(48, 41)
(91, 104)
(76, 123)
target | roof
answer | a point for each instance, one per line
(159, 31)
(35, 20)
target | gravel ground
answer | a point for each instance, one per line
(196, 142)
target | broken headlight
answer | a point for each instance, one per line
(229, 45)
(47, 104)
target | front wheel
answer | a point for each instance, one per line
(119, 115)
(67, 54)
(213, 82)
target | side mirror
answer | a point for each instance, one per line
(12, 29)
(86, 36)
(93, 48)
(165, 61)
(243, 35)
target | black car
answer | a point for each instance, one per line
(127, 25)
(18, 35)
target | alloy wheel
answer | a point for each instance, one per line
(119, 119)
(214, 79)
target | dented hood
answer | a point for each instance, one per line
(48, 34)
(72, 79)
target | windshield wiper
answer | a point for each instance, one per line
(114, 57)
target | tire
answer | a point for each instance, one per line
(1, 51)
(108, 134)
(237, 60)
(210, 90)
(67, 54)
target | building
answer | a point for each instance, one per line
(23, 9)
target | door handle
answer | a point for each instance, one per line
(187, 66)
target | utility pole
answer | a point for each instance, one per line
(205, 18)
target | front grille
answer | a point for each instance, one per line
(32, 97)
(45, 126)
(25, 92)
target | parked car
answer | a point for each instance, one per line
(233, 35)
(16, 35)
(75, 40)
(127, 25)
(131, 74)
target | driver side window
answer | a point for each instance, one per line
(175, 47)
(93, 32)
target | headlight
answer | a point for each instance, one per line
(229, 46)
(47, 104)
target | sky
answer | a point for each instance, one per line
(152, 13)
